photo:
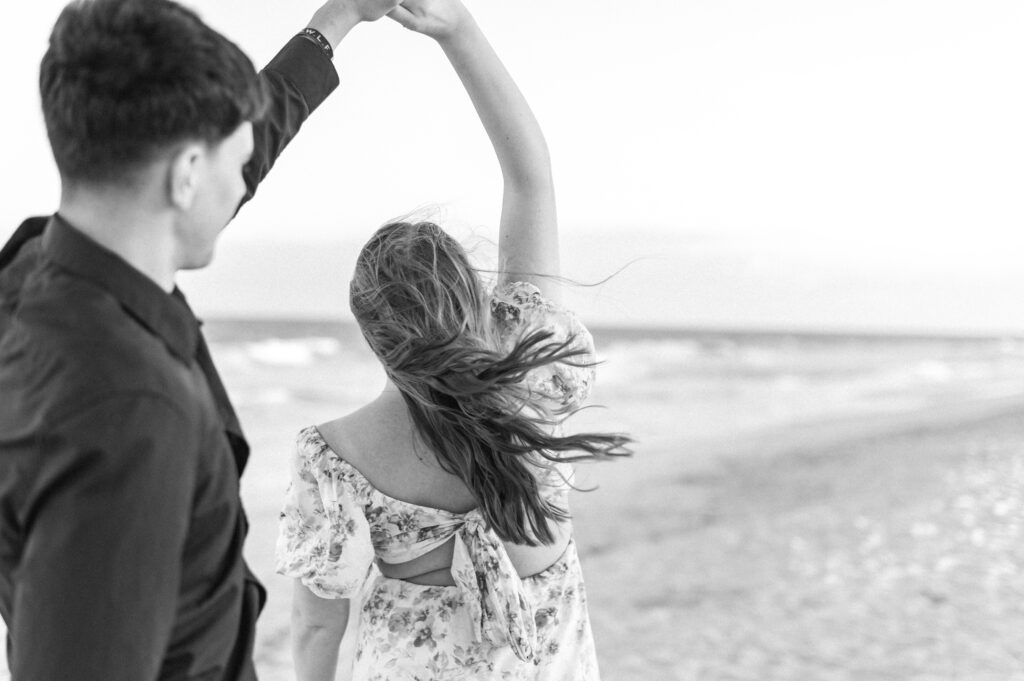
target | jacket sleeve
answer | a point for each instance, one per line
(105, 529)
(297, 80)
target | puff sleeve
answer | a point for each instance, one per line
(519, 308)
(323, 535)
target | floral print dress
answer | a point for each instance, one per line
(491, 624)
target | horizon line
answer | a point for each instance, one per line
(698, 330)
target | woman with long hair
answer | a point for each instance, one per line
(442, 505)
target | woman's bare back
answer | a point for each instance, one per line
(379, 440)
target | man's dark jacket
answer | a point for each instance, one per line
(121, 527)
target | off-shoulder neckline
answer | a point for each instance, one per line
(315, 431)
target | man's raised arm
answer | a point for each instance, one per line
(301, 77)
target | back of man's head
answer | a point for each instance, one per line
(124, 81)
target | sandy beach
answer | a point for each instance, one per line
(849, 551)
(872, 547)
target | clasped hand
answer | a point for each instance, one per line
(352, 12)
(438, 19)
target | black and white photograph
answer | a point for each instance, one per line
(493, 340)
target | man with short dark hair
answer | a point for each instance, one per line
(121, 528)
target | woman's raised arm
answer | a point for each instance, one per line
(528, 238)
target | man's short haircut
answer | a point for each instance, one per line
(124, 80)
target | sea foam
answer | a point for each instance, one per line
(292, 352)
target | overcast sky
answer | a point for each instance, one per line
(873, 140)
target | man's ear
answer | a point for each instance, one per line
(184, 175)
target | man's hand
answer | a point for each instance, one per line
(336, 18)
(369, 10)
(439, 19)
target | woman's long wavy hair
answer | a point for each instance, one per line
(424, 313)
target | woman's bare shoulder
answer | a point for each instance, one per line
(367, 434)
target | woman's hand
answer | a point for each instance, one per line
(438, 19)
(336, 18)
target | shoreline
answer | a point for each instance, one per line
(225, 328)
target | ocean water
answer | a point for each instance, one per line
(710, 382)
(674, 391)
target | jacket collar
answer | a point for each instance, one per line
(165, 315)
